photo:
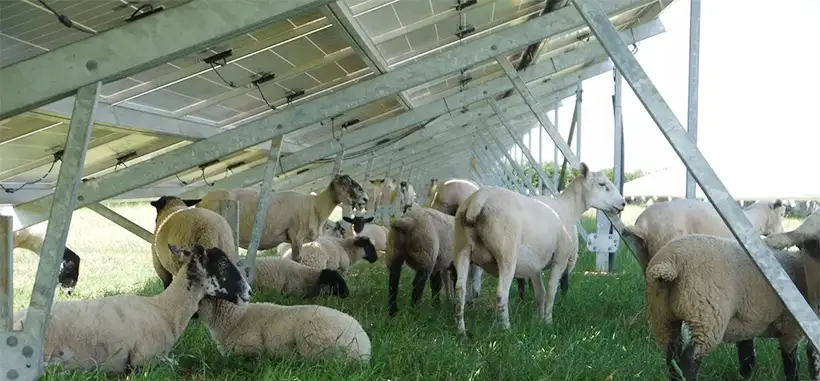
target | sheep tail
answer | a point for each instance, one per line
(664, 272)
(402, 224)
(475, 204)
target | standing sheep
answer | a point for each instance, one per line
(32, 238)
(665, 221)
(711, 284)
(337, 253)
(512, 235)
(292, 217)
(423, 238)
(119, 332)
(408, 195)
(293, 278)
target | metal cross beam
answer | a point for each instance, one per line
(715, 191)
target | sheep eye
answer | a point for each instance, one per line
(602, 184)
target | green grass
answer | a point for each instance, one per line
(600, 329)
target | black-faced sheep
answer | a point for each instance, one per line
(336, 253)
(363, 227)
(512, 235)
(266, 329)
(664, 221)
(712, 285)
(119, 332)
(293, 278)
(180, 225)
(423, 238)
(292, 217)
(32, 238)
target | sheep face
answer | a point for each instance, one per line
(369, 249)
(333, 283)
(166, 202)
(215, 272)
(348, 191)
(333, 229)
(775, 222)
(357, 222)
(69, 271)
(599, 192)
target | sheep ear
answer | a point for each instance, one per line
(347, 219)
(159, 203)
(179, 253)
(192, 202)
(361, 241)
(368, 219)
(583, 169)
(777, 203)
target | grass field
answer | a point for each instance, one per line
(600, 329)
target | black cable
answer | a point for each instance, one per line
(10, 190)
(205, 179)
(65, 20)
(180, 180)
(272, 107)
(229, 83)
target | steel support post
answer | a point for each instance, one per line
(6, 274)
(555, 175)
(541, 188)
(703, 173)
(62, 208)
(123, 222)
(262, 205)
(694, 79)
(576, 116)
(229, 209)
(500, 146)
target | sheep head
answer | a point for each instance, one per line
(348, 191)
(333, 229)
(599, 192)
(334, 282)
(369, 249)
(357, 222)
(212, 269)
(171, 202)
(69, 271)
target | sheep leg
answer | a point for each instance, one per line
(540, 293)
(552, 289)
(506, 273)
(813, 357)
(522, 284)
(462, 266)
(474, 276)
(435, 286)
(690, 362)
(393, 285)
(746, 357)
(419, 281)
(163, 274)
(673, 350)
(790, 363)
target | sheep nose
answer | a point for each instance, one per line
(623, 203)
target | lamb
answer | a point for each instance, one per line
(268, 329)
(363, 227)
(512, 235)
(424, 239)
(665, 221)
(329, 228)
(337, 253)
(289, 277)
(292, 217)
(119, 332)
(180, 225)
(32, 238)
(709, 283)
(408, 195)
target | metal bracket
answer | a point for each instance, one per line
(603, 242)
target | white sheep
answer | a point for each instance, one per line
(329, 228)
(809, 228)
(292, 217)
(512, 235)
(180, 225)
(447, 195)
(266, 329)
(408, 195)
(32, 237)
(293, 278)
(384, 193)
(119, 332)
(336, 253)
(665, 221)
(364, 228)
(422, 238)
(712, 285)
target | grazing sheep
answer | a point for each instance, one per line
(408, 195)
(289, 277)
(180, 225)
(266, 329)
(423, 238)
(665, 221)
(336, 253)
(119, 332)
(512, 235)
(712, 285)
(362, 227)
(32, 238)
(292, 217)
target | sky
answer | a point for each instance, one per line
(759, 106)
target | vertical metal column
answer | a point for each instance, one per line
(542, 189)
(555, 174)
(262, 205)
(6, 273)
(579, 94)
(59, 221)
(715, 191)
(694, 78)
(368, 175)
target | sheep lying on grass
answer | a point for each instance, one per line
(266, 329)
(336, 253)
(292, 216)
(178, 224)
(362, 227)
(512, 235)
(289, 277)
(711, 284)
(423, 238)
(119, 332)
(32, 238)
(330, 228)
(665, 221)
